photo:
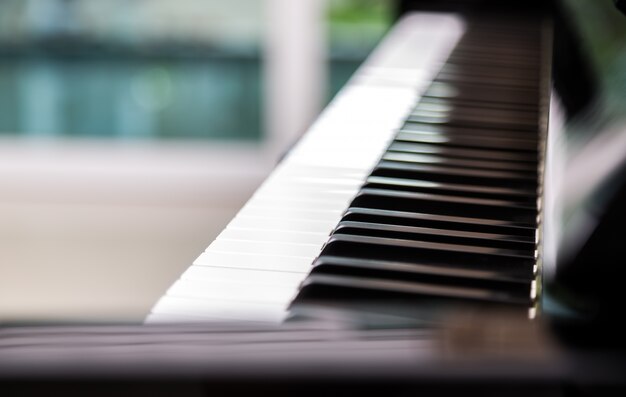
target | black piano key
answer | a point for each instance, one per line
(436, 173)
(513, 263)
(484, 58)
(343, 290)
(501, 80)
(444, 205)
(475, 59)
(435, 235)
(516, 197)
(515, 30)
(472, 120)
(446, 222)
(525, 55)
(513, 74)
(404, 146)
(526, 151)
(514, 137)
(507, 112)
(444, 169)
(355, 265)
(471, 92)
(513, 114)
(470, 115)
(394, 271)
(487, 104)
(522, 44)
(415, 158)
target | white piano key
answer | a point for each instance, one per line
(313, 182)
(251, 209)
(297, 203)
(305, 190)
(265, 248)
(236, 260)
(242, 275)
(283, 224)
(277, 193)
(324, 183)
(232, 291)
(376, 75)
(291, 167)
(189, 309)
(262, 235)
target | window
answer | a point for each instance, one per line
(154, 68)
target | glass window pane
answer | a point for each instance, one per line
(152, 68)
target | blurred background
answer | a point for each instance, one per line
(131, 132)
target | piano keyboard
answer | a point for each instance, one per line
(429, 203)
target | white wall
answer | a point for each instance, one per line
(99, 231)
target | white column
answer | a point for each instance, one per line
(294, 69)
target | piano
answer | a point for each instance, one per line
(424, 172)
(411, 240)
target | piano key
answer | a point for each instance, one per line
(525, 151)
(225, 274)
(297, 203)
(470, 115)
(391, 193)
(469, 153)
(231, 291)
(305, 195)
(517, 289)
(437, 173)
(291, 186)
(524, 43)
(262, 234)
(339, 289)
(478, 92)
(455, 162)
(483, 103)
(509, 262)
(254, 261)
(433, 37)
(493, 81)
(432, 234)
(435, 104)
(485, 58)
(444, 205)
(481, 225)
(252, 209)
(315, 174)
(516, 198)
(513, 137)
(325, 262)
(181, 309)
(280, 224)
(316, 180)
(515, 74)
(472, 120)
(265, 248)
(446, 170)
